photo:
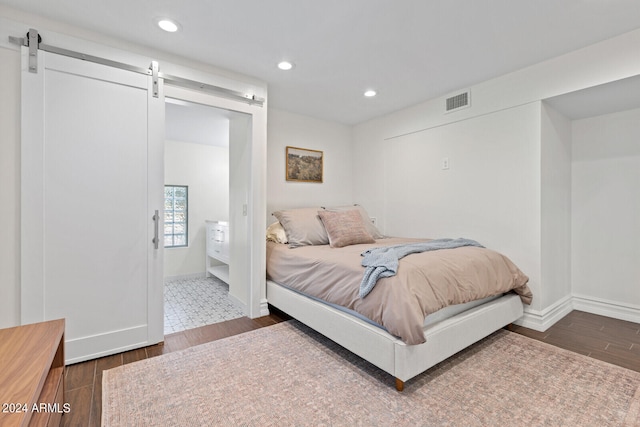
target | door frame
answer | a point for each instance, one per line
(249, 262)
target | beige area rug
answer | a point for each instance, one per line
(288, 375)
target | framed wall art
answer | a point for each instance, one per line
(304, 165)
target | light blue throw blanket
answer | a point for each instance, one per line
(383, 262)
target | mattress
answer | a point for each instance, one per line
(425, 283)
(440, 315)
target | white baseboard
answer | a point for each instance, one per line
(264, 307)
(616, 310)
(541, 320)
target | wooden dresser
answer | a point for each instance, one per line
(32, 374)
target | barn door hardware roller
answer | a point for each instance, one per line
(32, 41)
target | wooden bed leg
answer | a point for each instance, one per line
(399, 384)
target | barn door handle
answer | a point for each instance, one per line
(156, 221)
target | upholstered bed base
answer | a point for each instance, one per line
(444, 338)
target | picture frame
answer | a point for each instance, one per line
(304, 165)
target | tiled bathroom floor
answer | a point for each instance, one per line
(191, 303)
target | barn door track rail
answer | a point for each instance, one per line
(33, 41)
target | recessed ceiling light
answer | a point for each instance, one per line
(285, 65)
(370, 93)
(168, 25)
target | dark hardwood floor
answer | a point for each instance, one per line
(610, 340)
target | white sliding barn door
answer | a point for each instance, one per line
(92, 178)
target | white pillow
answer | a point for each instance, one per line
(276, 233)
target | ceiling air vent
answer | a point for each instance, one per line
(458, 101)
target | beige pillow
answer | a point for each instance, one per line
(276, 233)
(345, 228)
(302, 226)
(372, 229)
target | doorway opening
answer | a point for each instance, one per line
(197, 223)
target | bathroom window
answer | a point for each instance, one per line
(176, 214)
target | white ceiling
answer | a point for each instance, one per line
(609, 98)
(407, 50)
(196, 123)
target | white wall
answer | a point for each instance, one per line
(507, 140)
(555, 207)
(606, 211)
(490, 193)
(289, 129)
(205, 169)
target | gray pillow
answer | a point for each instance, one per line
(303, 226)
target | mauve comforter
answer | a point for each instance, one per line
(425, 282)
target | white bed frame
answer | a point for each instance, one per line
(444, 338)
